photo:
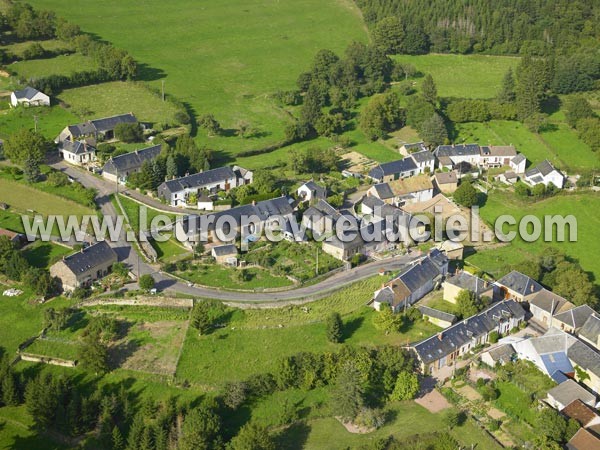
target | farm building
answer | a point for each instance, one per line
(84, 267)
(29, 97)
(544, 304)
(573, 319)
(98, 128)
(446, 182)
(120, 167)
(440, 318)
(225, 254)
(590, 331)
(517, 286)
(408, 148)
(465, 281)
(404, 191)
(500, 354)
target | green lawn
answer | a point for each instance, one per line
(17, 48)
(117, 97)
(253, 341)
(225, 277)
(133, 210)
(470, 76)
(51, 120)
(59, 65)
(169, 250)
(44, 254)
(266, 46)
(582, 206)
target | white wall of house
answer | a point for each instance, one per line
(179, 198)
(40, 99)
(518, 168)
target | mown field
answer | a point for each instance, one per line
(50, 120)
(236, 52)
(583, 206)
(59, 65)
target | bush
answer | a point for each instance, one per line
(493, 337)
(146, 282)
(129, 132)
(57, 179)
(34, 51)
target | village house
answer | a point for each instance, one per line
(99, 129)
(320, 218)
(450, 155)
(544, 173)
(573, 319)
(78, 153)
(586, 359)
(413, 282)
(404, 191)
(500, 354)
(414, 147)
(567, 392)
(81, 269)
(452, 250)
(443, 349)
(192, 229)
(177, 192)
(435, 316)
(369, 203)
(496, 155)
(544, 304)
(517, 286)
(118, 168)
(584, 440)
(225, 254)
(29, 97)
(394, 170)
(311, 192)
(344, 249)
(465, 281)
(590, 331)
(446, 182)
(518, 163)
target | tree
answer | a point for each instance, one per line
(522, 190)
(466, 194)
(388, 35)
(334, 327)
(572, 282)
(10, 391)
(129, 132)
(146, 282)
(507, 91)
(466, 303)
(407, 386)
(551, 424)
(532, 82)
(429, 90)
(31, 169)
(386, 320)
(433, 130)
(382, 113)
(235, 394)
(210, 124)
(93, 354)
(589, 132)
(118, 443)
(347, 394)
(252, 436)
(577, 108)
(451, 418)
(536, 122)
(171, 168)
(201, 427)
(25, 145)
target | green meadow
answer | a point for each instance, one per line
(469, 76)
(236, 52)
(59, 65)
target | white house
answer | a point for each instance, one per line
(78, 153)
(29, 97)
(310, 191)
(545, 173)
(518, 163)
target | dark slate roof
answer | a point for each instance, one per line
(77, 147)
(471, 283)
(420, 145)
(223, 250)
(391, 168)
(548, 301)
(457, 150)
(454, 337)
(518, 159)
(575, 317)
(109, 123)
(520, 283)
(322, 209)
(372, 202)
(197, 180)
(95, 255)
(280, 206)
(356, 242)
(422, 156)
(591, 328)
(437, 314)
(419, 274)
(383, 190)
(543, 169)
(132, 160)
(27, 93)
(502, 353)
(585, 357)
(81, 129)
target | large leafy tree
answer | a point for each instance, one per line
(26, 145)
(466, 194)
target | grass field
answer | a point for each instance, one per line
(133, 210)
(582, 206)
(117, 97)
(561, 146)
(59, 65)
(17, 48)
(224, 277)
(17, 431)
(253, 341)
(469, 76)
(44, 254)
(237, 52)
(51, 120)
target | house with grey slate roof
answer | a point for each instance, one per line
(176, 192)
(443, 349)
(567, 392)
(465, 281)
(517, 286)
(394, 170)
(78, 153)
(311, 192)
(103, 128)
(573, 319)
(544, 305)
(544, 173)
(81, 269)
(29, 97)
(435, 316)
(413, 282)
(120, 167)
(590, 331)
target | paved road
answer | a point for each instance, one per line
(165, 282)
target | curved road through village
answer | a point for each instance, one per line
(165, 282)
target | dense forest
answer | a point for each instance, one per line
(502, 26)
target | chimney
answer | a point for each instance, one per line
(253, 202)
(136, 152)
(440, 336)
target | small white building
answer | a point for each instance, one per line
(518, 163)
(545, 173)
(29, 97)
(78, 153)
(310, 191)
